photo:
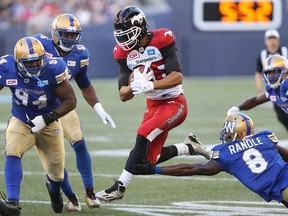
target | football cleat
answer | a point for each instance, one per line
(73, 203)
(196, 147)
(8, 208)
(56, 200)
(115, 192)
(91, 200)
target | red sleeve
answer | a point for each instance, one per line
(162, 38)
(119, 53)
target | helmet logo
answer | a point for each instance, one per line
(137, 19)
(230, 126)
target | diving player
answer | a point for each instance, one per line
(255, 160)
(274, 74)
(66, 35)
(41, 94)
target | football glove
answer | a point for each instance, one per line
(232, 110)
(141, 83)
(145, 168)
(41, 121)
(103, 115)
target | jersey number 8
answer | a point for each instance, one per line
(254, 160)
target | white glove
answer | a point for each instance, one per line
(103, 115)
(140, 83)
(38, 123)
(232, 110)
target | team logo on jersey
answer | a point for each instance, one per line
(26, 80)
(2, 61)
(11, 82)
(133, 55)
(283, 98)
(168, 33)
(272, 98)
(71, 63)
(49, 55)
(151, 52)
(215, 154)
(43, 83)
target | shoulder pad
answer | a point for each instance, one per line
(162, 37)
(120, 53)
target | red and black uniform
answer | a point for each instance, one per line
(165, 108)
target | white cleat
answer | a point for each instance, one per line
(196, 147)
(115, 192)
(73, 204)
(91, 200)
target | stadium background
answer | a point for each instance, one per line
(210, 54)
(202, 53)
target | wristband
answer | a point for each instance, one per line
(158, 170)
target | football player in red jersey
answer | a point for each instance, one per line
(166, 106)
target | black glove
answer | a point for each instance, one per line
(145, 168)
(50, 117)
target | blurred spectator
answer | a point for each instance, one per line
(38, 15)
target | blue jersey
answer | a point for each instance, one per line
(77, 60)
(256, 163)
(28, 98)
(279, 96)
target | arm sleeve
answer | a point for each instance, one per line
(259, 66)
(124, 73)
(82, 78)
(171, 59)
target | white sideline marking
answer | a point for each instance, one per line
(206, 207)
(190, 178)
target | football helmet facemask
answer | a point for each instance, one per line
(236, 127)
(275, 70)
(66, 31)
(30, 57)
(130, 26)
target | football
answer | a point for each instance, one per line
(141, 69)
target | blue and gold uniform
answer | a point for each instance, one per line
(36, 83)
(256, 163)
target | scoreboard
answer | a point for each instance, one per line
(237, 15)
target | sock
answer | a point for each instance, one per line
(54, 186)
(139, 152)
(13, 176)
(125, 178)
(66, 186)
(83, 162)
(167, 153)
(182, 149)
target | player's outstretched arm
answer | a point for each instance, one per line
(208, 168)
(249, 103)
(64, 91)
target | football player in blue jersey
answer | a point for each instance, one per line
(274, 74)
(257, 161)
(66, 35)
(41, 94)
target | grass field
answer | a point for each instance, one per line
(208, 101)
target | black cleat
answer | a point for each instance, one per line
(8, 208)
(56, 200)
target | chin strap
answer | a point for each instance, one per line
(41, 83)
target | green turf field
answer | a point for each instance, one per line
(208, 101)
